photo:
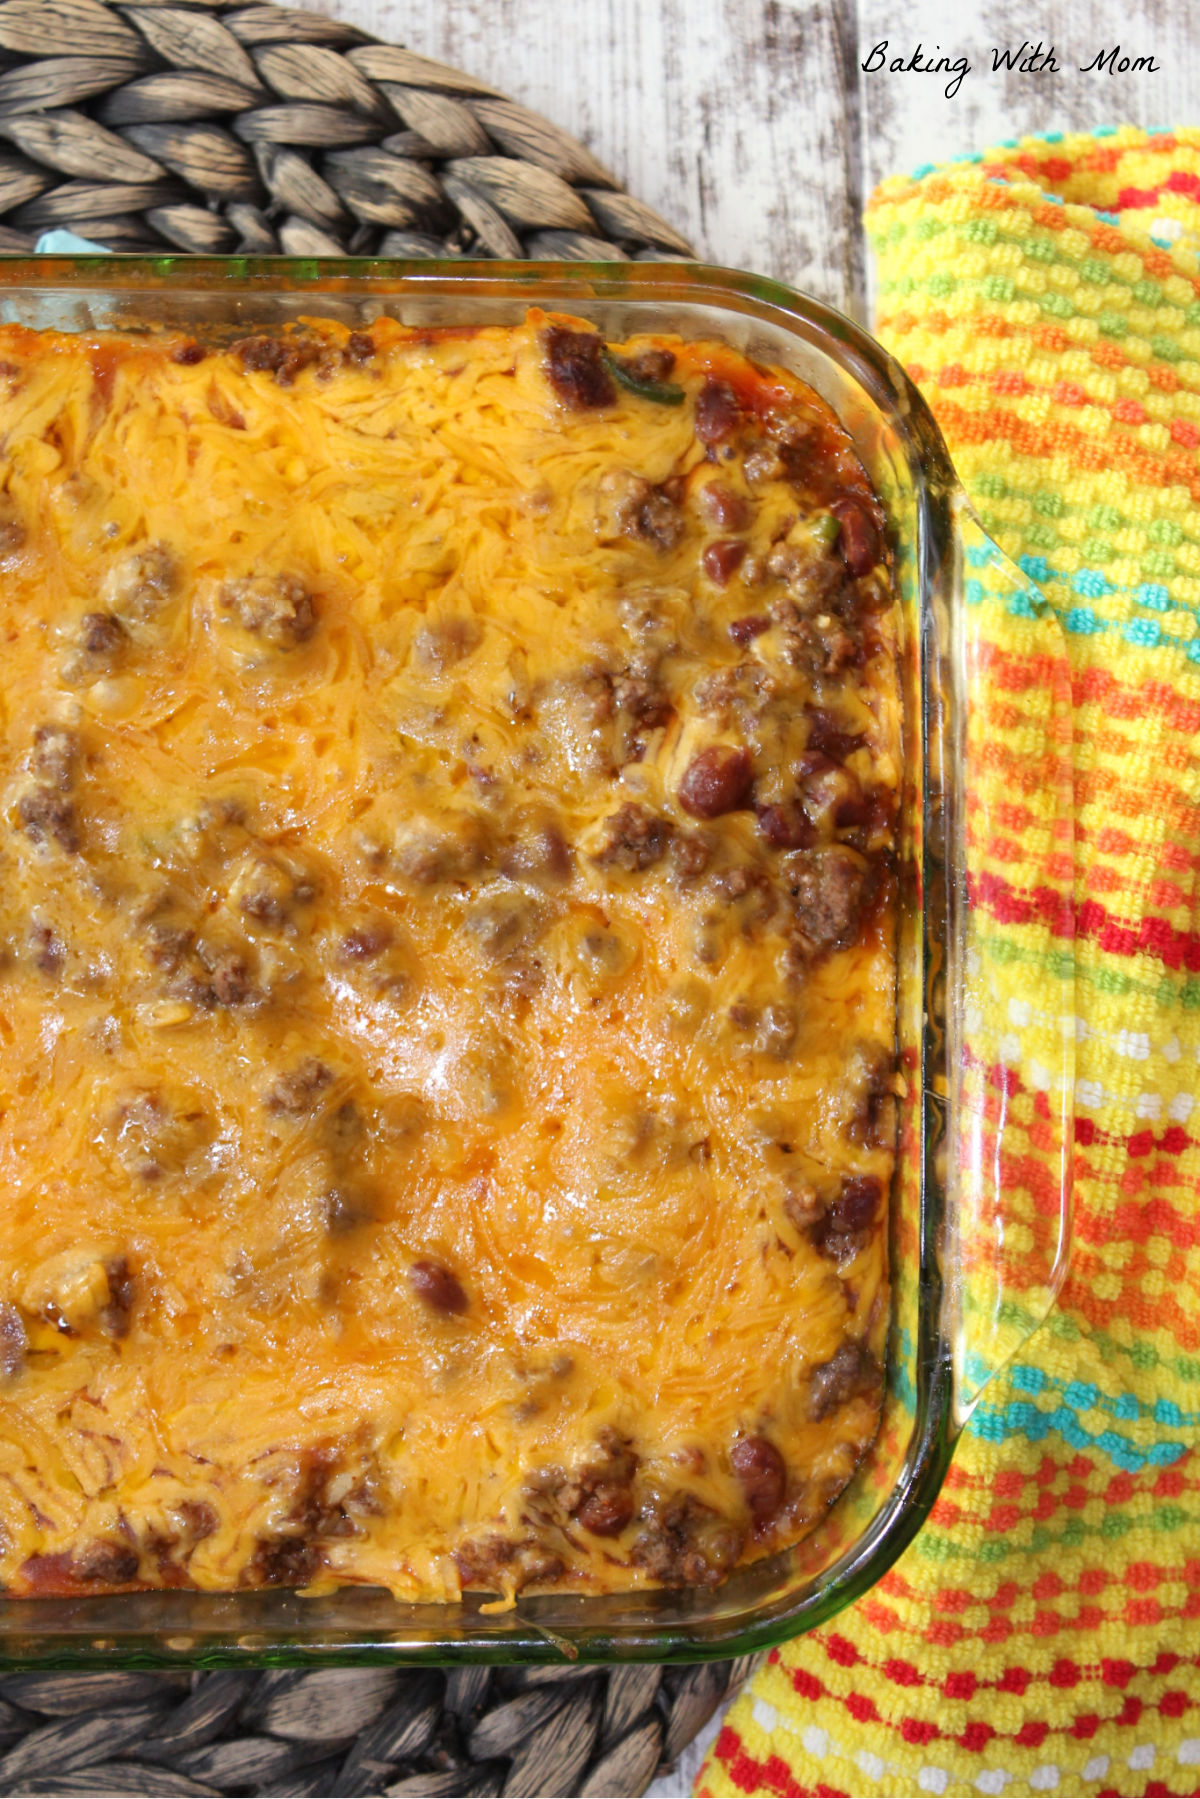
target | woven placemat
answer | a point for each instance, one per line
(352, 1731)
(226, 128)
(221, 128)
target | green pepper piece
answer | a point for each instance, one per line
(825, 528)
(662, 393)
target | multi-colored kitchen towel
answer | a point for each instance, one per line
(1042, 1634)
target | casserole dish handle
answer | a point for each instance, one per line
(1010, 906)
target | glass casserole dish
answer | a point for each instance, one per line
(979, 1214)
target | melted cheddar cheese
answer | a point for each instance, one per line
(447, 785)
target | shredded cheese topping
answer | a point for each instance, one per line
(446, 978)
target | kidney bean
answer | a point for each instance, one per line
(728, 509)
(434, 1283)
(851, 812)
(856, 1204)
(812, 762)
(722, 558)
(716, 780)
(49, 1576)
(745, 630)
(825, 734)
(762, 1472)
(717, 412)
(786, 827)
(576, 370)
(606, 1510)
(858, 539)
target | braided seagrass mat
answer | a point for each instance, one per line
(225, 128)
(352, 1731)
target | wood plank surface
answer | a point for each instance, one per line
(736, 119)
(750, 124)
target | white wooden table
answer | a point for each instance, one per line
(751, 125)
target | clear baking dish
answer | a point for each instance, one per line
(985, 1007)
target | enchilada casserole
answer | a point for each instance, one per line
(448, 782)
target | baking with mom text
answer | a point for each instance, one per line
(1027, 59)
